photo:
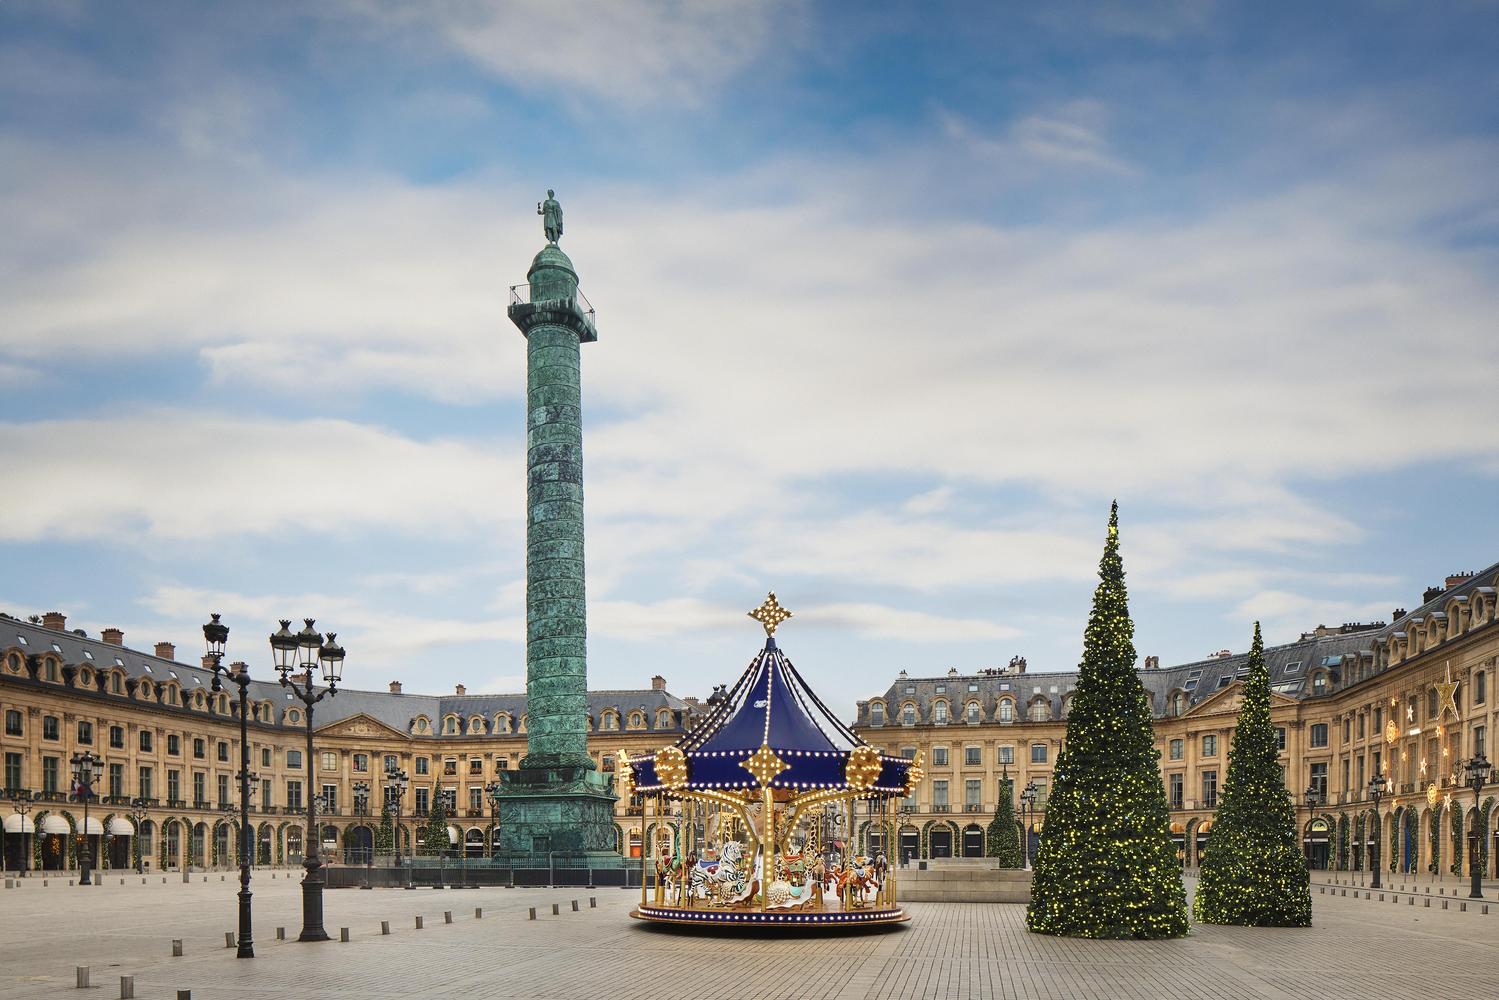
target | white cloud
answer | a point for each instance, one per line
(879, 621)
(183, 475)
(627, 51)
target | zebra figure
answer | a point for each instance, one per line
(719, 879)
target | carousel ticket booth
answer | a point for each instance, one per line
(754, 818)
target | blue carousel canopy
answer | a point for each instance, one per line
(771, 706)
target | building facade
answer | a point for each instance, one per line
(166, 737)
(1349, 702)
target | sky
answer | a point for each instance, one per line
(893, 300)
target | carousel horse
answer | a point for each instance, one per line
(860, 876)
(720, 880)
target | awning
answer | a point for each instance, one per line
(53, 823)
(16, 823)
(93, 827)
(119, 826)
(452, 835)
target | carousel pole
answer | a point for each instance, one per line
(767, 847)
(647, 843)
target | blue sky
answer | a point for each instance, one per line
(893, 299)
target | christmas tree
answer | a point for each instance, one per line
(1253, 874)
(1003, 840)
(435, 833)
(385, 835)
(1106, 866)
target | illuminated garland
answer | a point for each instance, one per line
(1253, 873)
(1106, 866)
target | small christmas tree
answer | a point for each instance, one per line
(1003, 837)
(1253, 874)
(385, 833)
(1106, 866)
(435, 833)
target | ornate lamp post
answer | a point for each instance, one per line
(395, 791)
(1378, 785)
(1027, 804)
(20, 801)
(301, 653)
(903, 812)
(215, 634)
(1478, 775)
(138, 816)
(493, 791)
(85, 766)
(362, 808)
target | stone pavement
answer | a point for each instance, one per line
(1357, 949)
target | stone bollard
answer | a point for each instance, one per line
(556, 909)
(280, 933)
(127, 988)
(478, 913)
(447, 916)
(122, 881)
(593, 902)
(575, 906)
(44, 883)
(533, 914)
(184, 995)
(228, 939)
(176, 947)
(82, 977)
(343, 935)
(385, 927)
(418, 923)
(187, 878)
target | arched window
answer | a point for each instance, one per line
(476, 725)
(663, 719)
(1040, 711)
(939, 712)
(877, 713)
(611, 719)
(1178, 702)
(450, 726)
(972, 713)
(908, 714)
(637, 720)
(502, 722)
(1006, 710)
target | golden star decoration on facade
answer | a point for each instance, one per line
(1447, 695)
(1423, 766)
(1391, 732)
(1431, 794)
(764, 764)
(770, 614)
(863, 768)
(671, 767)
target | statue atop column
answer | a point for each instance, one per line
(551, 216)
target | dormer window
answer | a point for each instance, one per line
(939, 713)
(877, 714)
(908, 714)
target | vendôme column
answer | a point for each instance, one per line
(557, 801)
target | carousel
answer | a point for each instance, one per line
(771, 812)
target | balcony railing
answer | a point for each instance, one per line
(973, 807)
(942, 808)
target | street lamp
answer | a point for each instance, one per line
(1027, 804)
(85, 766)
(301, 652)
(1378, 785)
(1478, 775)
(215, 634)
(395, 790)
(362, 808)
(138, 816)
(20, 801)
(493, 791)
(903, 812)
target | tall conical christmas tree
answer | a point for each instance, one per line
(1106, 866)
(1002, 840)
(435, 833)
(1253, 874)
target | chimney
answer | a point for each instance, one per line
(54, 619)
(1396, 615)
(460, 690)
(207, 662)
(1223, 654)
(1457, 578)
(113, 636)
(658, 683)
(1152, 663)
(952, 671)
(1431, 593)
(166, 651)
(395, 687)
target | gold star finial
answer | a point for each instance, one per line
(1447, 695)
(770, 614)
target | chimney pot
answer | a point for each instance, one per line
(395, 687)
(113, 636)
(55, 619)
(658, 683)
(459, 689)
(1152, 663)
(166, 651)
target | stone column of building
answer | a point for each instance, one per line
(557, 801)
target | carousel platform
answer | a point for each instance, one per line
(801, 920)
